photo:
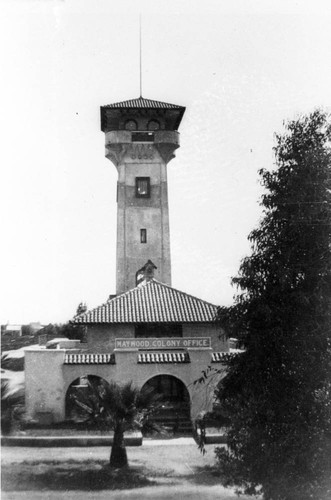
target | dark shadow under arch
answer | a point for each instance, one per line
(174, 415)
(82, 388)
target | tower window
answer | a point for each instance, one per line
(143, 235)
(143, 187)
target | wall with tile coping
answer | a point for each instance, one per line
(48, 378)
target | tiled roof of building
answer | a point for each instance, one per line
(166, 357)
(221, 357)
(218, 357)
(89, 359)
(142, 103)
(151, 302)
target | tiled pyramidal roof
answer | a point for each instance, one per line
(151, 302)
(142, 103)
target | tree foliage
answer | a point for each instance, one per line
(277, 393)
(68, 330)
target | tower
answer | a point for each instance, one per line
(141, 138)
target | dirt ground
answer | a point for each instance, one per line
(163, 470)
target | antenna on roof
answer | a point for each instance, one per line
(140, 62)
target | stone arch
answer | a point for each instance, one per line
(131, 124)
(82, 388)
(174, 414)
(153, 125)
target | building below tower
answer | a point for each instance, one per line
(153, 335)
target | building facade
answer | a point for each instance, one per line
(149, 332)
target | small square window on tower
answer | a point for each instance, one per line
(143, 187)
(143, 235)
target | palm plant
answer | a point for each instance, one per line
(118, 407)
(12, 402)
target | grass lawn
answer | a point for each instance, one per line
(68, 470)
(70, 475)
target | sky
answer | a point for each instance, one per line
(240, 69)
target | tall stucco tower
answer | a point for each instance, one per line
(141, 138)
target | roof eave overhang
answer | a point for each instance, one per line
(204, 322)
(105, 109)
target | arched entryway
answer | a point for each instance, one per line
(174, 414)
(83, 399)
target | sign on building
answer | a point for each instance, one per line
(163, 343)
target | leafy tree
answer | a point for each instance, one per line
(27, 330)
(69, 330)
(118, 407)
(277, 393)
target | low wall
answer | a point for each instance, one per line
(48, 379)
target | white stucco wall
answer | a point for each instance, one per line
(44, 383)
(48, 378)
(101, 338)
